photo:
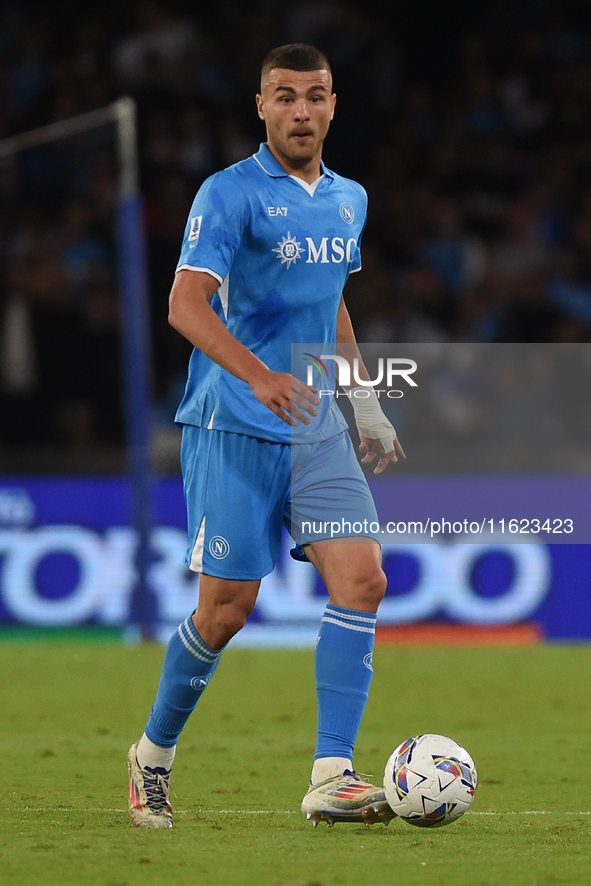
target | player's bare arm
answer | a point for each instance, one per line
(371, 447)
(191, 314)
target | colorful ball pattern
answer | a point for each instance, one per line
(430, 780)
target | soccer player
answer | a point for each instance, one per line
(268, 247)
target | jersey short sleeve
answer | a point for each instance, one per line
(356, 262)
(215, 226)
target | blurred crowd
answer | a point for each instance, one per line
(472, 138)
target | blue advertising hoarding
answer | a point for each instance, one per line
(67, 555)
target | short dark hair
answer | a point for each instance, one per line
(295, 57)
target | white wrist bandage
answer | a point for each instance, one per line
(371, 421)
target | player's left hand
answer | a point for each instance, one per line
(372, 448)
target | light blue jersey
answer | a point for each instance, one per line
(282, 251)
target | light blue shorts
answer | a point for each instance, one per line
(241, 491)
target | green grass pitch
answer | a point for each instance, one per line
(70, 710)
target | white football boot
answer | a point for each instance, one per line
(149, 794)
(346, 797)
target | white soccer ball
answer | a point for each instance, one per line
(430, 780)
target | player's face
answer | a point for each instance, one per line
(297, 107)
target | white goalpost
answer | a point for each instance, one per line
(135, 332)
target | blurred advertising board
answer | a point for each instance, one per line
(67, 555)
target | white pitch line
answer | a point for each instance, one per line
(179, 811)
(264, 811)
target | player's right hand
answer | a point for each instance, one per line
(286, 396)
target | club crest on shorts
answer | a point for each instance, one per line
(219, 547)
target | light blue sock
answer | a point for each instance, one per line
(343, 677)
(188, 666)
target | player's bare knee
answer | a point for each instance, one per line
(232, 617)
(367, 591)
(375, 587)
(217, 621)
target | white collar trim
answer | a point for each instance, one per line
(310, 188)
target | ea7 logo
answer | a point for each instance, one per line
(195, 228)
(277, 210)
